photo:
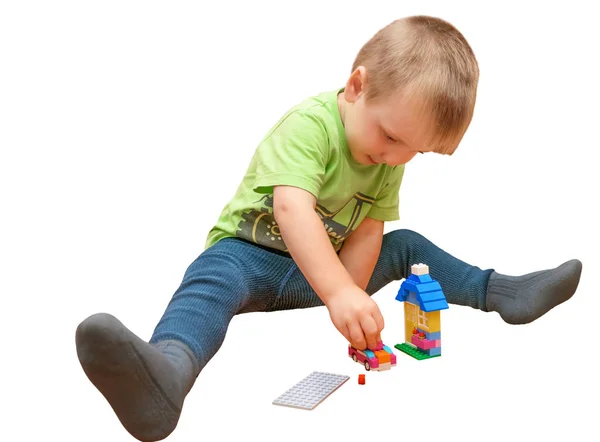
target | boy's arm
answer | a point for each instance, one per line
(361, 249)
(308, 242)
(352, 311)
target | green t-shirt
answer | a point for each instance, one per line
(307, 148)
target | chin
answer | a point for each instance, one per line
(368, 161)
(365, 161)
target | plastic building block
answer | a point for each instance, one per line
(428, 291)
(382, 359)
(311, 391)
(422, 343)
(361, 379)
(435, 336)
(423, 301)
(415, 352)
(379, 346)
(419, 269)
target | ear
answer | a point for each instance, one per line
(355, 86)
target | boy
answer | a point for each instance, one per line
(305, 227)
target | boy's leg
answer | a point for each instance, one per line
(518, 299)
(146, 382)
(462, 284)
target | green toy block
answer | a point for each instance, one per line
(414, 352)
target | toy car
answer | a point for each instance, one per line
(382, 358)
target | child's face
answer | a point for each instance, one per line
(389, 130)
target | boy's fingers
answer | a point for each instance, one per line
(379, 320)
(370, 330)
(379, 345)
(375, 313)
(357, 337)
(345, 332)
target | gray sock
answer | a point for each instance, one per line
(522, 299)
(144, 384)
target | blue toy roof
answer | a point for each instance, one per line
(428, 292)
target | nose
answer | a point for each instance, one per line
(383, 157)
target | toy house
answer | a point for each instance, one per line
(423, 300)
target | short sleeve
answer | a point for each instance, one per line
(386, 205)
(294, 153)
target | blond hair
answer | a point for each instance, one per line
(428, 59)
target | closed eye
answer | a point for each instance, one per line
(387, 137)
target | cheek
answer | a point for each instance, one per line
(403, 157)
(370, 138)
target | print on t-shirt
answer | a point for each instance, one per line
(259, 226)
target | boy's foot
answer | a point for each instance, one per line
(522, 299)
(144, 384)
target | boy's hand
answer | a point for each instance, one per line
(356, 316)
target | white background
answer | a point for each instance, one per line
(126, 126)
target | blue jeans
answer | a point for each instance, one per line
(234, 276)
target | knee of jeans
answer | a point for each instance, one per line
(216, 278)
(403, 236)
(296, 293)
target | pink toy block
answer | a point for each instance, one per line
(378, 347)
(374, 362)
(424, 344)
